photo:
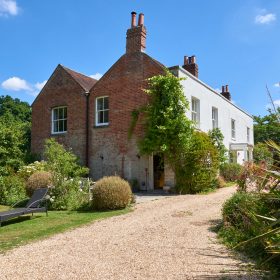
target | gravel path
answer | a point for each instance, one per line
(162, 239)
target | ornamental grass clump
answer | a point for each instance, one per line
(39, 179)
(111, 193)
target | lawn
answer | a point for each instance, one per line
(25, 229)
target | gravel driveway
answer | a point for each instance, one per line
(167, 238)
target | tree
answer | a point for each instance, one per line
(14, 108)
(12, 145)
(15, 133)
(267, 127)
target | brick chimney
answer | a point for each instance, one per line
(225, 92)
(136, 35)
(190, 65)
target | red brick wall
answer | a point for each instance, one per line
(110, 150)
(61, 90)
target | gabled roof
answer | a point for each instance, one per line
(86, 82)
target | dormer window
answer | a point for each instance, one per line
(102, 111)
(59, 120)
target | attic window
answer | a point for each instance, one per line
(102, 111)
(59, 120)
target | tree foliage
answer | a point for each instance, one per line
(199, 165)
(267, 127)
(217, 138)
(15, 125)
(263, 153)
(14, 108)
(168, 131)
(61, 161)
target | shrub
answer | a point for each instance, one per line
(27, 170)
(39, 179)
(111, 193)
(68, 194)
(61, 161)
(263, 153)
(241, 222)
(230, 171)
(198, 166)
(12, 190)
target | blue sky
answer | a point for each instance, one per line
(236, 42)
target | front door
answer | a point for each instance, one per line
(158, 171)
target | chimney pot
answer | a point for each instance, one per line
(225, 93)
(136, 35)
(133, 19)
(190, 65)
(193, 59)
(141, 19)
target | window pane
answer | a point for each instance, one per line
(65, 112)
(55, 126)
(54, 114)
(106, 116)
(60, 126)
(65, 125)
(60, 113)
(100, 117)
(106, 103)
(99, 104)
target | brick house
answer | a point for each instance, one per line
(93, 117)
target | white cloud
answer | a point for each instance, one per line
(8, 7)
(16, 84)
(265, 19)
(39, 86)
(277, 84)
(96, 76)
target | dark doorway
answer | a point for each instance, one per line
(158, 171)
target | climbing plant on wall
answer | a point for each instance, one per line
(168, 131)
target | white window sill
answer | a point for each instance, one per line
(58, 133)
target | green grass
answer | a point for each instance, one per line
(22, 230)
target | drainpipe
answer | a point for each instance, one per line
(87, 129)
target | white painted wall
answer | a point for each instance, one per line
(226, 110)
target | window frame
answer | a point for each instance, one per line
(97, 111)
(216, 121)
(233, 129)
(196, 101)
(57, 120)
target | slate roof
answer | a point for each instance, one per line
(86, 82)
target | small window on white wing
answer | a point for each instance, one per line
(195, 106)
(233, 129)
(214, 117)
(59, 120)
(102, 111)
(248, 135)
